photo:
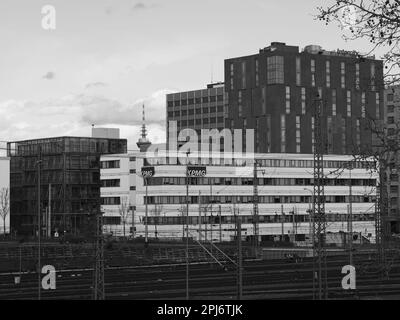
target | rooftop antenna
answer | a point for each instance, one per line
(143, 143)
(144, 131)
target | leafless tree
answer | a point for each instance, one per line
(156, 212)
(4, 205)
(377, 21)
(124, 211)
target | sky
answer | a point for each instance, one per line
(107, 57)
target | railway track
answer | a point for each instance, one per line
(261, 280)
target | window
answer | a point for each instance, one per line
(112, 183)
(213, 99)
(184, 102)
(313, 72)
(390, 97)
(333, 102)
(240, 106)
(275, 70)
(298, 71)
(330, 135)
(177, 103)
(358, 133)
(232, 75)
(390, 109)
(298, 135)
(373, 77)
(348, 103)
(357, 76)
(264, 100)
(343, 136)
(243, 74)
(390, 120)
(343, 75)
(110, 164)
(257, 67)
(303, 100)
(170, 104)
(283, 133)
(328, 73)
(132, 159)
(205, 99)
(363, 105)
(191, 101)
(132, 171)
(377, 102)
(111, 201)
(287, 100)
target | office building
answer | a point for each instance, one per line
(69, 181)
(198, 109)
(276, 92)
(285, 190)
(391, 175)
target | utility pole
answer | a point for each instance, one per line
(282, 224)
(146, 225)
(319, 226)
(200, 229)
(49, 214)
(239, 257)
(187, 225)
(350, 220)
(39, 213)
(98, 286)
(220, 224)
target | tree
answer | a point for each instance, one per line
(377, 21)
(123, 211)
(4, 205)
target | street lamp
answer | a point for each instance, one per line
(38, 164)
(187, 225)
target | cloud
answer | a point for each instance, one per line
(74, 114)
(139, 6)
(95, 85)
(49, 75)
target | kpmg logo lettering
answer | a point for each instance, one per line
(197, 172)
(147, 172)
(187, 147)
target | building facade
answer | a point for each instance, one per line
(4, 184)
(276, 92)
(391, 175)
(285, 190)
(198, 109)
(69, 180)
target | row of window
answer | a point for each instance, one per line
(274, 163)
(218, 120)
(248, 219)
(276, 68)
(111, 183)
(191, 101)
(250, 199)
(199, 111)
(113, 164)
(157, 181)
(289, 98)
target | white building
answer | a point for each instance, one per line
(4, 184)
(285, 191)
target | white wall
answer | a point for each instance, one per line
(4, 183)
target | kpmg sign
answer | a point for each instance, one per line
(196, 171)
(148, 172)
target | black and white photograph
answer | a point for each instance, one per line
(199, 155)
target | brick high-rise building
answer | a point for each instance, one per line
(275, 92)
(392, 122)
